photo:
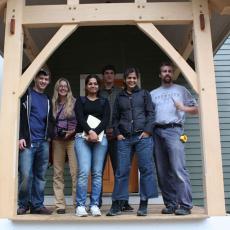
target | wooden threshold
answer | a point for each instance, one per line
(154, 213)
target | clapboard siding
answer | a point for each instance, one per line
(222, 68)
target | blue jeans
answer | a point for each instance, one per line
(173, 176)
(143, 148)
(89, 156)
(32, 166)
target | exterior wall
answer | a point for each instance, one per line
(222, 69)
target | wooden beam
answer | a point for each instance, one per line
(154, 34)
(108, 14)
(30, 48)
(226, 11)
(10, 109)
(185, 54)
(219, 6)
(212, 161)
(62, 34)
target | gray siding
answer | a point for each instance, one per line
(222, 69)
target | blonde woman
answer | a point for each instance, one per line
(63, 142)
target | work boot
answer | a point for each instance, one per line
(115, 208)
(142, 210)
(168, 209)
(182, 211)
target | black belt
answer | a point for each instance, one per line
(127, 135)
(170, 125)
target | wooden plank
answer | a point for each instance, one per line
(213, 174)
(10, 110)
(64, 32)
(154, 34)
(153, 215)
(108, 14)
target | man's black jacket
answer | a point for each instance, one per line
(25, 107)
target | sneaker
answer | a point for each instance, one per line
(126, 207)
(41, 211)
(22, 211)
(182, 211)
(95, 211)
(81, 211)
(115, 208)
(142, 210)
(168, 210)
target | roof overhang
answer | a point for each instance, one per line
(178, 35)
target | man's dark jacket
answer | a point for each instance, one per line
(133, 113)
(25, 107)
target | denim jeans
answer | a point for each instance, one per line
(32, 166)
(173, 176)
(144, 149)
(89, 156)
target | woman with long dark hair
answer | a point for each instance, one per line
(93, 114)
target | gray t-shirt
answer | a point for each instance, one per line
(164, 99)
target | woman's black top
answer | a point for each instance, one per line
(99, 108)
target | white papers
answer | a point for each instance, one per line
(93, 122)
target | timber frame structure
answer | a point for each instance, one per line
(145, 15)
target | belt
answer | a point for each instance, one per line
(127, 135)
(170, 125)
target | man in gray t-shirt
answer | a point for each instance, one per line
(171, 103)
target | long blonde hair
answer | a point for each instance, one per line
(70, 100)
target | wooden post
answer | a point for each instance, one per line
(212, 162)
(10, 109)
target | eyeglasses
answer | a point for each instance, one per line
(63, 86)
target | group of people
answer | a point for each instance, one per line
(108, 120)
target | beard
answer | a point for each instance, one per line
(167, 80)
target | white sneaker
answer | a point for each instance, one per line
(95, 211)
(81, 211)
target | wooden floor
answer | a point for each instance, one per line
(154, 213)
